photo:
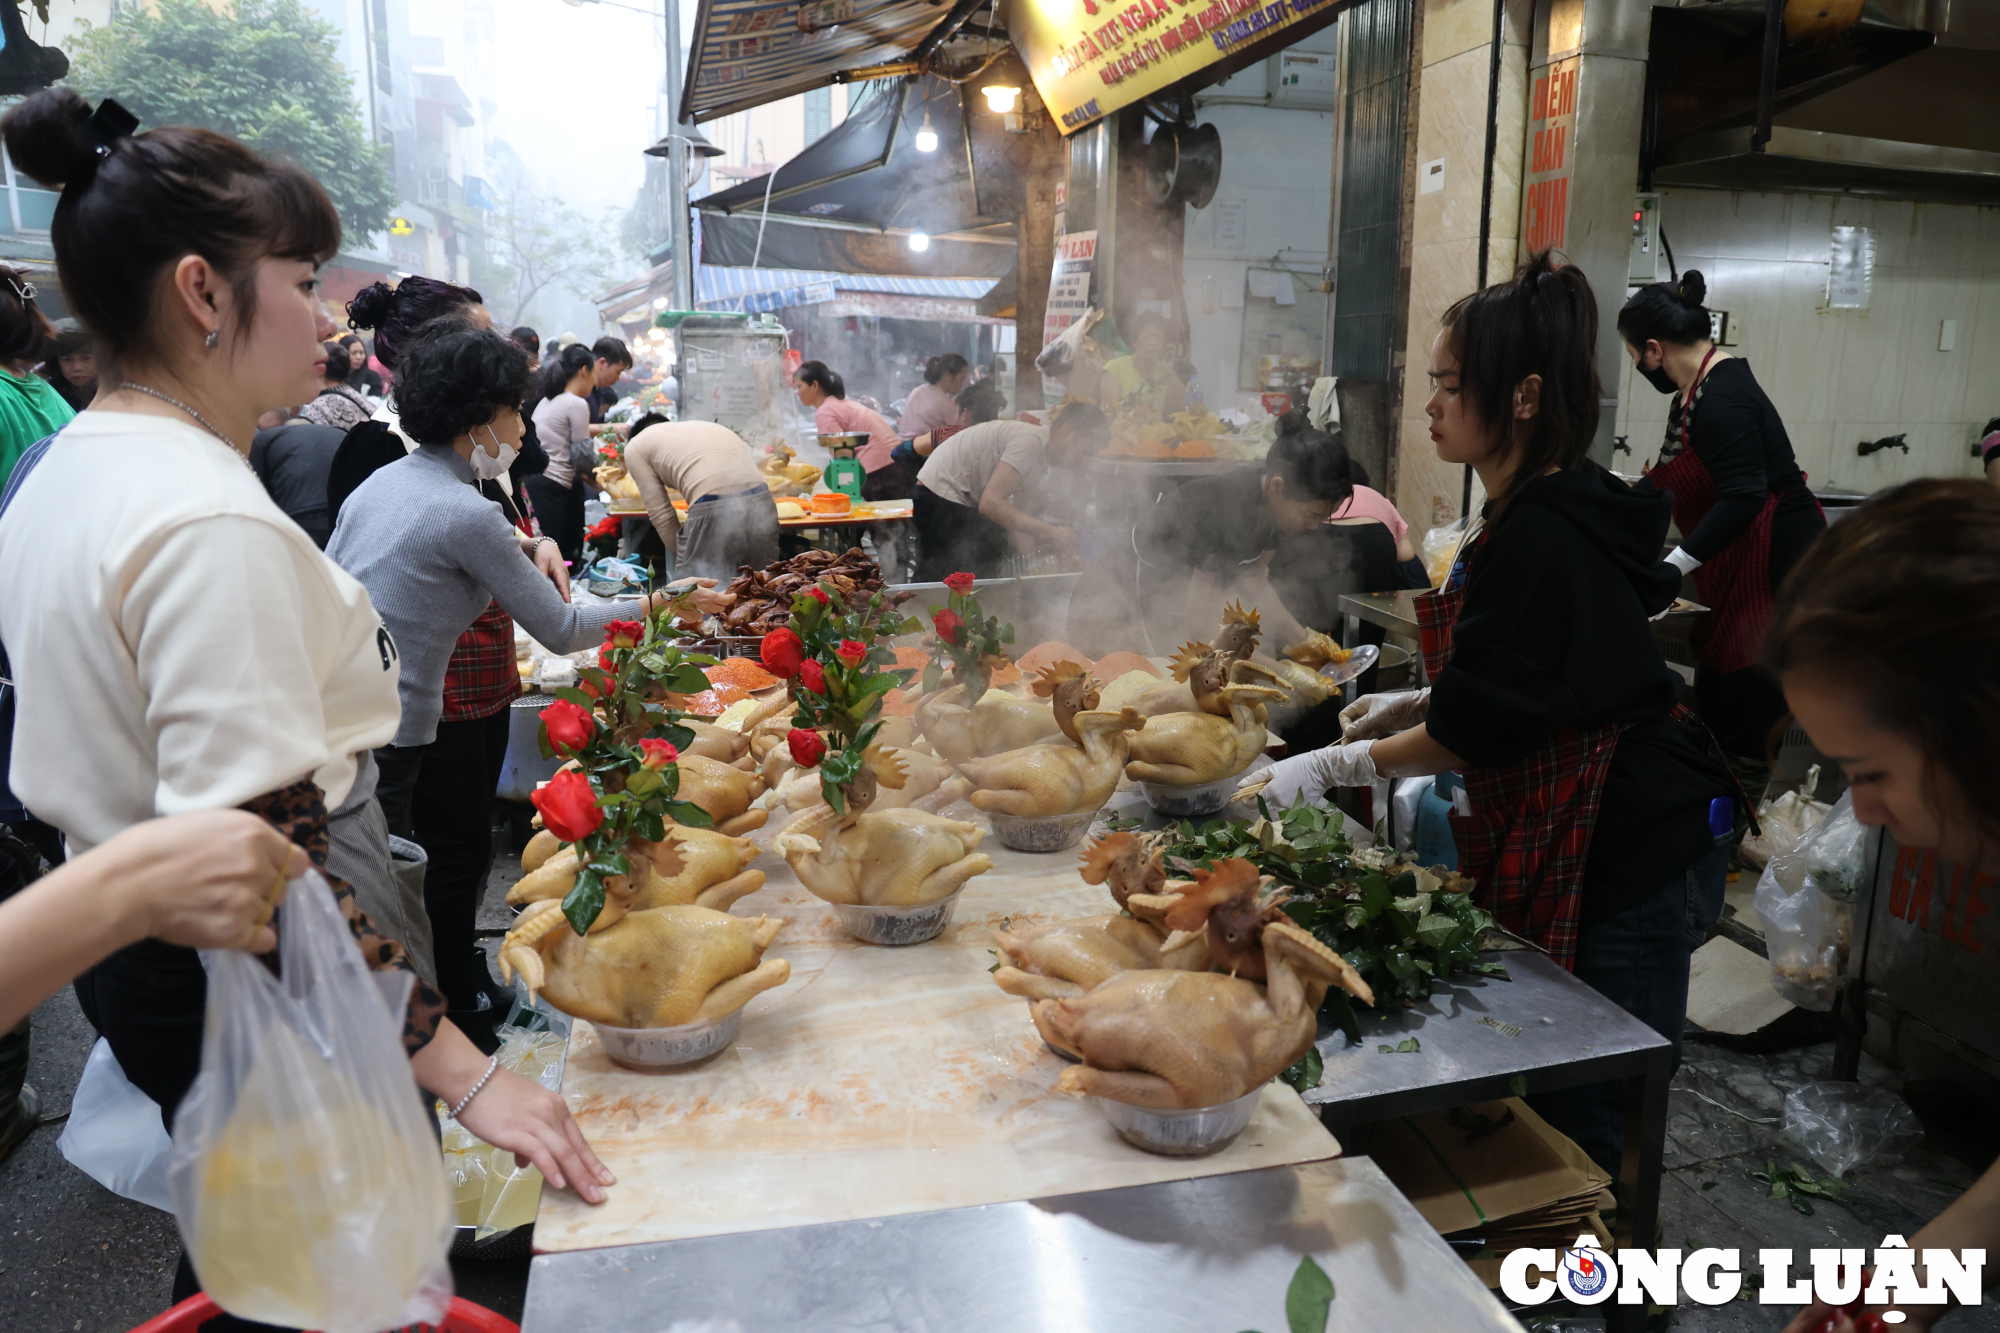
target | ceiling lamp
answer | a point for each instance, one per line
(919, 241)
(1000, 97)
(926, 137)
(659, 303)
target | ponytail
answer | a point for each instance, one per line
(941, 367)
(816, 372)
(1542, 321)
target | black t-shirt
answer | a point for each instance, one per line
(1741, 440)
(293, 461)
(1553, 632)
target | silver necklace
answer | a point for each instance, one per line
(206, 424)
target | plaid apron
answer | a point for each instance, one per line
(1736, 584)
(1528, 836)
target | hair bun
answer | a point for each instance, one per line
(44, 136)
(371, 305)
(1694, 288)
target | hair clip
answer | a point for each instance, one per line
(108, 124)
(26, 291)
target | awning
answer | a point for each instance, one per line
(851, 201)
(616, 302)
(749, 52)
(758, 289)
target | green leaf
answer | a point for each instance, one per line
(643, 783)
(1309, 1300)
(1434, 929)
(689, 814)
(651, 827)
(933, 677)
(1305, 1074)
(836, 799)
(575, 696)
(678, 736)
(654, 663)
(584, 900)
(1518, 1085)
(685, 678)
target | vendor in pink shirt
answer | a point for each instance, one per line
(1371, 506)
(825, 393)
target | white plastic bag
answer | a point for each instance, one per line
(1805, 897)
(1784, 821)
(114, 1133)
(1844, 1125)
(1437, 549)
(304, 1176)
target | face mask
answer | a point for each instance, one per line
(1659, 379)
(488, 468)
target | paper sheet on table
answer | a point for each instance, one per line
(875, 1082)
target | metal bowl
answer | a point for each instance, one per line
(1041, 833)
(896, 925)
(654, 1050)
(1206, 798)
(1196, 1133)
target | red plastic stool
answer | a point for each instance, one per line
(460, 1316)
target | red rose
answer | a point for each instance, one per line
(851, 652)
(948, 625)
(623, 634)
(590, 687)
(807, 747)
(813, 676)
(782, 651)
(818, 594)
(569, 806)
(657, 754)
(960, 582)
(604, 662)
(568, 727)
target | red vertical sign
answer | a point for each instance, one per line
(1551, 158)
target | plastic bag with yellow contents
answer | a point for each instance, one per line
(304, 1176)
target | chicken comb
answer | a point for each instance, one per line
(887, 768)
(1234, 878)
(1234, 614)
(1188, 658)
(1051, 678)
(1100, 856)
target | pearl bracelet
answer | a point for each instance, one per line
(466, 1100)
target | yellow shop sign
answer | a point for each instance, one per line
(1090, 57)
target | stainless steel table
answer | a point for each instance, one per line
(1213, 1255)
(1477, 1037)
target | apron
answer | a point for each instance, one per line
(1528, 836)
(1736, 584)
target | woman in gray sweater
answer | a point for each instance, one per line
(433, 553)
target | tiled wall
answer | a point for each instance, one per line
(1839, 377)
(1451, 124)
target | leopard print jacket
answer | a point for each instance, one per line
(299, 812)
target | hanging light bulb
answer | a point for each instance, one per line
(1000, 97)
(926, 136)
(919, 242)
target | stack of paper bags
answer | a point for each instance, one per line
(1495, 1171)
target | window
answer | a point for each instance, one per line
(30, 208)
(819, 113)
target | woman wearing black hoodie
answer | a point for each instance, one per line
(1591, 820)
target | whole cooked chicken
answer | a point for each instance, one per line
(1068, 958)
(726, 792)
(693, 865)
(718, 743)
(998, 722)
(644, 969)
(1188, 749)
(928, 782)
(1058, 779)
(1173, 1040)
(882, 858)
(1125, 863)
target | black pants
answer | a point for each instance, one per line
(440, 796)
(559, 509)
(953, 537)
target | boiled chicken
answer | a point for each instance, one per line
(724, 792)
(698, 866)
(1057, 779)
(1126, 863)
(998, 722)
(1070, 957)
(722, 744)
(644, 969)
(929, 783)
(1174, 1040)
(1188, 749)
(882, 858)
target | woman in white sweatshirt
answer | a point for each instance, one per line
(178, 643)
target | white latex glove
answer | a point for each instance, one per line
(1374, 716)
(1311, 773)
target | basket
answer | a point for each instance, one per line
(461, 1316)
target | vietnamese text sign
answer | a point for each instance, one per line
(1090, 57)
(1551, 158)
(1069, 283)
